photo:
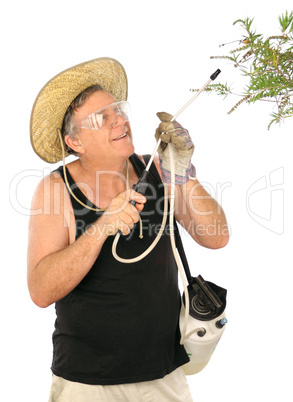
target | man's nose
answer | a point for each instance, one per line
(119, 120)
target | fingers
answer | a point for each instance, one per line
(121, 215)
(124, 223)
(162, 132)
(139, 207)
(163, 116)
(130, 194)
(173, 132)
(166, 127)
(178, 141)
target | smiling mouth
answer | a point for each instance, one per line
(120, 136)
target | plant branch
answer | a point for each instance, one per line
(267, 67)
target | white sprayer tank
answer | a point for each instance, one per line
(201, 348)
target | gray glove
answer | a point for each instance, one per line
(174, 133)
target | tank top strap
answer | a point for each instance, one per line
(137, 164)
(139, 167)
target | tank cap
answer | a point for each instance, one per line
(221, 323)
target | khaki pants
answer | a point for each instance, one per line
(172, 388)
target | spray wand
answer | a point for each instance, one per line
(140, 186)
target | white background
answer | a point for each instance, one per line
(165, 47)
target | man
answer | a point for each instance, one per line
(116, 334)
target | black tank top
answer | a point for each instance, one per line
(120, 324)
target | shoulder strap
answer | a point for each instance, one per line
(182, 254)
(179, 244)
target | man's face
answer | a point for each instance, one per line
(112, 142)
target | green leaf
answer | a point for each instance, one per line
(266, 65)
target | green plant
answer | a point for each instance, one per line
(267, 64)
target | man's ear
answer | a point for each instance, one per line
(74, 143)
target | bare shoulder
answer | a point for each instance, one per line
(50, 199)
(51, 219)
(50, 195)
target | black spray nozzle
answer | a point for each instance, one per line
(214, 76)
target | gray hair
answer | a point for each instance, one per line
(68, 127)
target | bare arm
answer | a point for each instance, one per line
(55, 264)
(200, 214)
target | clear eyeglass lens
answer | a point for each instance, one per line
(107, 117)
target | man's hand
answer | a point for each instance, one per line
(121, 215)
(174, 133)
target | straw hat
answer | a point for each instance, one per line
(55, 97)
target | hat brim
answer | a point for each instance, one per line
(54, 98)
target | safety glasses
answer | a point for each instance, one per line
(107, 117)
